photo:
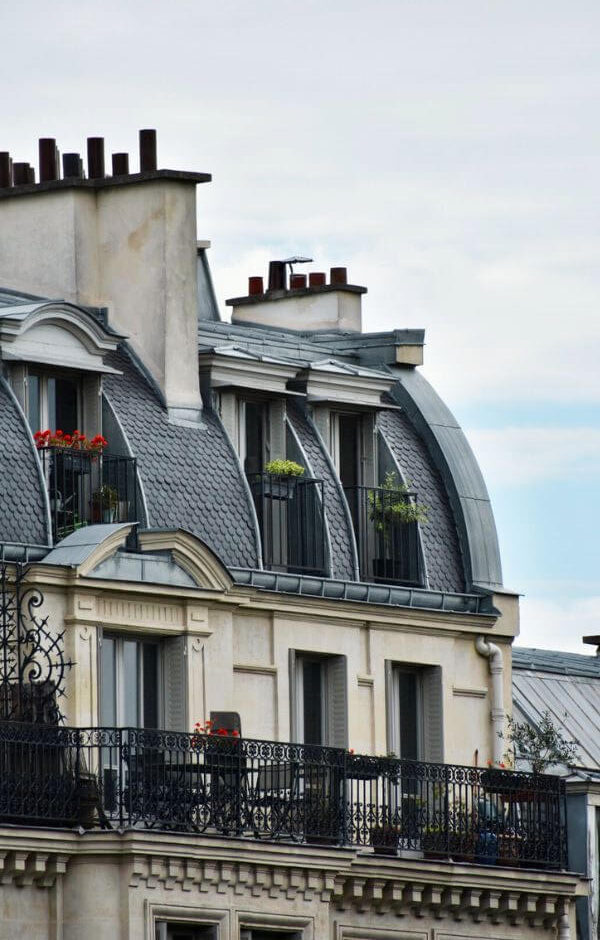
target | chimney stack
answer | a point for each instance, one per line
(315, 305)
(5, 170)
(72, 166)
(120, 164)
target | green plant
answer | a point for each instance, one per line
(105, 497)
(541, 744)
(391, 503)
(284, 468)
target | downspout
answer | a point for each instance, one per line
(494, 654)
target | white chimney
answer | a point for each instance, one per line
(126, 242)
(311, 304)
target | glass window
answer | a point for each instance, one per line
(33, 403)
(129, 682)
(53, 402)
(255, 424)
(312, 680)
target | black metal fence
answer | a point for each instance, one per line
(87, 487)
(388, 546)
(290, 512)
(128, 777)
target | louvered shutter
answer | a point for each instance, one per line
(175, 687)
(18, 382)
(391, 703)
(367, 431)
(337, 702)
(293, 679)
(433, 724)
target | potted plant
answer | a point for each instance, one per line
(391, 507)
(385, 838)
(282, 476)
(105, 502)
(461, 834)
(435, 842)
(541, 745)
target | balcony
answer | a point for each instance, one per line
(118, 778)
(290, 512)
(388, 544)
(88, 487)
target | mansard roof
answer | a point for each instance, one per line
(191, 479)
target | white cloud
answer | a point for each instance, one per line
(517, 456)
(553, 624)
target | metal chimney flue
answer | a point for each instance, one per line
(317, 279)
(72, 166)
(297, 281)
(277, 278)
(120, 164)
(95, 157)
(48, 159)
(5, 170)
(147, 150)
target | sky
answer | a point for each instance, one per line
(445, 151)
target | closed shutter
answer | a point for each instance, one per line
(228, 407)
(293, 679)
(91, 405)
(433, 723)
(367, 430)
(391, 708)
(175, 688)
(275, 443)
(337, 702)
(18, 381)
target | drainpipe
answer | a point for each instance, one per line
(494, 654)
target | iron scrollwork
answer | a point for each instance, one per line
(33, 666)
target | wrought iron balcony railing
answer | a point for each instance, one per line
(388, 546)
(290, 512)
(198, 783)
(87, 487)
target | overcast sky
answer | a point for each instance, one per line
(446, 151)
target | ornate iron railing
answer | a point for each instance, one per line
(290, 512)
(87, 487)
(388, 547)
(129, 777)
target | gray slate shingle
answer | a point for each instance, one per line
(439, 536)
(191, 477)
(22, 506)
(340, 536)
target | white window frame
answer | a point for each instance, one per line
(43, 376)
(120, 677)
(301, 658)
(364, 460)
(159, 917)
(397, 671)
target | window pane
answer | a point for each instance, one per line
(108, 687)
(130, 683)
(349, 449)
(313, 703)
(409, 730)
(65, 404)
(150, 680)
(33, 403)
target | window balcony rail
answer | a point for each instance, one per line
(290, 512)
(296, 793)
(88, 487)
(388, 546)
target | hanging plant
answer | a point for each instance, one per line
(392, 503)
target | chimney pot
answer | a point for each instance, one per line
(338, 276)
(72, 166)
(20, 173)
(48, 159)
(255, 286)
(95, 155)
(120, 164)
(277, 278)
(147, 150)
(317, 279)
(5, 170)
(297, 281)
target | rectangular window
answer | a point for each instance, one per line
(260, 934)
(254, 435)
(53, 401)
(319, 699)
(129, 682)
(166, 931)
(414, 711)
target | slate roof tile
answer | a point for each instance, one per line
(19, 479)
